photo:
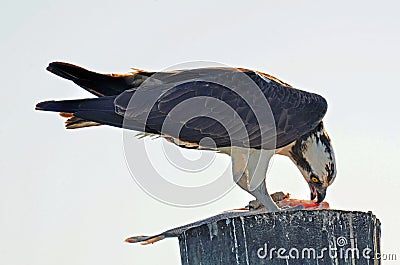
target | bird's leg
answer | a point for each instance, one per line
(261, 194)
(263, 197)
(243, 183)
(257, 166)
(249, 169)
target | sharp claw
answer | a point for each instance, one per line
(254, 205)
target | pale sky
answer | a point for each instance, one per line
(67, 197)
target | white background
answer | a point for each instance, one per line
(66, 197)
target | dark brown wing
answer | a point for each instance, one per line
(219, 104)
(231, 106)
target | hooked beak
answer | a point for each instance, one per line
(317, 193)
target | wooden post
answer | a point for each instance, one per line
(288, 237)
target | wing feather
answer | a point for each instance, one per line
(295, 112)
(185, 100)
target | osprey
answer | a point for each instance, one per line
(246, 114)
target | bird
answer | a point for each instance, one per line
(246, 114)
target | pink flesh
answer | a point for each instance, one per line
(308, 204)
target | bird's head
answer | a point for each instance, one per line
(313, 154)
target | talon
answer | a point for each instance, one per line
(279, 196)
(254, 205)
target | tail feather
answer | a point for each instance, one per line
(101, 117)
(112, 119)
(90, 112)
(95, 111)
(72, 106)
(84, 112)
(76, 123)
(97, 84)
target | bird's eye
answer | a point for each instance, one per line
(314, 179)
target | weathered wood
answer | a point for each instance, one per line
(289, 237)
